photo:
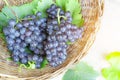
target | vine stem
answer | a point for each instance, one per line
(59, 17)
(6, 2)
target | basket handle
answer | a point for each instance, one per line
(101, 7)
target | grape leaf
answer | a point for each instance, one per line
(9, 59)
(81, 71)
(28, 50)
(2, 36)
(112, 72)
(78, 20)
(68, 43)
(74, 9)
(75, 12)
(20, 11)
(62, 3)
(3, 20)
(44, 63)
(43, 5)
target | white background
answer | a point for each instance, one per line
(107, 40)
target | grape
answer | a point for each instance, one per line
(19, 25)
(10, 48)
(12, 36)
(10, 41)
(30, 57)
(22, 31)
(16, 46)
(40, 46)
(18, 40)
(31, 23)
(37, 32)
(33, 17)
(23, 44)
(37, 51)
(15, 52)
(40, 59)
(17, 34)
(33, 44)
(40, 39)
(22, 49)
(38, 23)
(31, 28)
(35, 57)
(22, 37)
(37, 65)
(26, 24)
(16, 58)
(12, 23)
(38, 14)
(22, 55)
(24, 60)
(6, 31)
(28, 40)
(28, 33)
(12, 30)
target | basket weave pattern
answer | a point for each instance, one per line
(92, 11)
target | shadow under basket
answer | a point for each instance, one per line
(92, 10)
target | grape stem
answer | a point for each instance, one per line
(26, 19)
(59, 17)
(6, 2)
(20, 67)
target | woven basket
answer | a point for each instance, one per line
(92, 11)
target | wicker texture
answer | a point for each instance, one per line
(92, 11)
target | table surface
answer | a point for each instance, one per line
(107, 39)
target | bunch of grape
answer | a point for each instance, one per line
(59, 35)
(34, 38)
(27, 34)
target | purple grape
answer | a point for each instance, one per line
(16, 58)
(24, 60)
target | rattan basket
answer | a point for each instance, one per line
(92, 10)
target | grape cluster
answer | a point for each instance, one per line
(29, 33)
(58, 35)
(42, 37)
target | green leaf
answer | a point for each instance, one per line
(68, 43)
(112, 72)
(113, 59)
(62, 3)
(81, 71)
(2, 36)
(78, 20)
(28, 50)
(43, 5)
(44, 63)
(9, 59)
(75, 12)
(21, 11)
(74, 9)
(3, 20)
